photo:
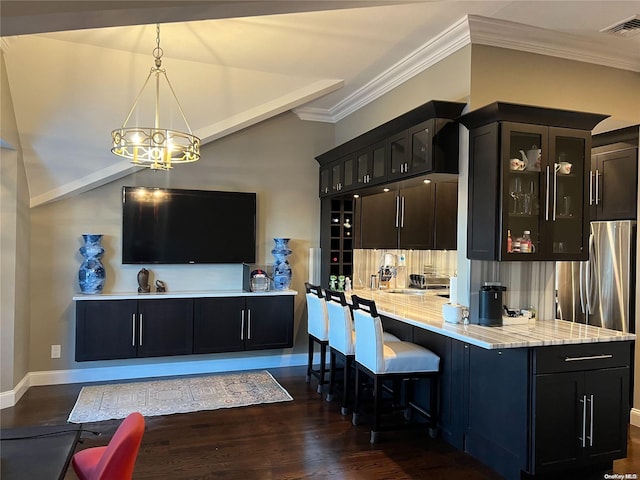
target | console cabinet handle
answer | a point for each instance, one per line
(248, 324)
(141, 329)
(133, 329)
(242, 326)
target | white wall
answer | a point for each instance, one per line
(14, 267)
(275, 159)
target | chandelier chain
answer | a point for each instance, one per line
(158, 52)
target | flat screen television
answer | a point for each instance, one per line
(174, 226)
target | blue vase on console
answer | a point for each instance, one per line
(281, 267)
(92, 273)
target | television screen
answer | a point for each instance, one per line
(165, 225)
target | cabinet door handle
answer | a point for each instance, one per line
(555, 192)
(249, 324)
(402, 214)
(546, 197)
(397, 211)
(583, 439)
(597, 188)
(242, 325)
(590, 357)
(133, 329)
(140, 337)
(591, 420)
(590, 187)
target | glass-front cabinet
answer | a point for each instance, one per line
(543, 192)
(528, 183)
(370, 165)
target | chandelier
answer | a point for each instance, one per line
(155, 147)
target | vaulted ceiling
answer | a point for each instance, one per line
(75, 67)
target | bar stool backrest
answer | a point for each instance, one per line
(369, 335)
(340, 322)
(317, 318)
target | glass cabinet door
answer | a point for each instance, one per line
(398, 162)
(525, 194)
(370, 165)
(325, 181)
(567, 227)
(421, 147)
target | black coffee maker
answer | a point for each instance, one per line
(490, 309)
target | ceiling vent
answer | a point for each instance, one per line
(626, 28)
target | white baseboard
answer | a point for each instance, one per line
(130, 372)
(635, 417)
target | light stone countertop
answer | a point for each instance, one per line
(425, 311)
(175, 294)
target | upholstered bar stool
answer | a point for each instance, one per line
(395, 361)
(318, 330)
(342, 346)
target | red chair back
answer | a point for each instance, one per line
(116, 460)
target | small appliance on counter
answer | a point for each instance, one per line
(491, 305)
(387, 271)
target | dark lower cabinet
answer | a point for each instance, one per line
(529, 412)
(581, 406)
(218, 325)
(112, 329)
(106, 330)
(116, 329)
(241, 323)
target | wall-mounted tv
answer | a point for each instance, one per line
(174, 226)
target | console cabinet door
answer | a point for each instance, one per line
(269, 322)
(218, 325)
(106, 330)
(165, 327)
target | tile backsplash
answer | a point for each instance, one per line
(367, 262)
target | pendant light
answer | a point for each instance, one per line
(155, 147)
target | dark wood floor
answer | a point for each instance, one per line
(305, 438)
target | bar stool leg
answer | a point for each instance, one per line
(347, 384)
(310, 360)
(434, 407)
(323, 367)
(377, 407)
(332, 374)
(355, 418)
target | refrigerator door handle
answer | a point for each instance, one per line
(583, 281)
(589, 277)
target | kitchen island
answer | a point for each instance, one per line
(545, 397)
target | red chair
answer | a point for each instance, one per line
(116, 460)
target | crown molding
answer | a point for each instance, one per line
(526, 38)
(475, 29)
(443, 45)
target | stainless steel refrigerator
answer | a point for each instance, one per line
(601, 291)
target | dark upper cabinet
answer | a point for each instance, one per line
(338, 176)
(528, 177)
(421, 141)
(613, 179)
(421, 217)
(431, 146)
(370, 165)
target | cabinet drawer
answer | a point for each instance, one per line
(571, 358)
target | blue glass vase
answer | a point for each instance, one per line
(281, 267)
(92, 274)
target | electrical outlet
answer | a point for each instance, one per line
(55, 351)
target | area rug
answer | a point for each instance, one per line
(181, 395)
